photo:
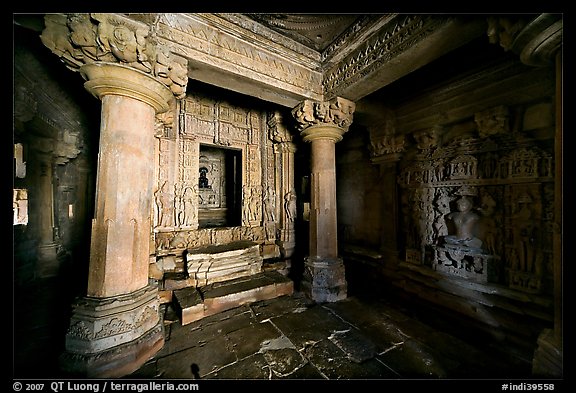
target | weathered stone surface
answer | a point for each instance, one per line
(198, 303)
(356, 346)
(216, 263)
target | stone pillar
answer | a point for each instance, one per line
(386, 150)
(47, 263)
(117, 327)
(323, 124)
(284, 151)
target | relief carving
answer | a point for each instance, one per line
(198, 35)
(337, 112)
(80, 39)
(479, 215)
(382, 48)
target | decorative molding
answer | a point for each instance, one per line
(195, 38)
(379, 49)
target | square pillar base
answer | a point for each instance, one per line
(114, 336)
(324, 279)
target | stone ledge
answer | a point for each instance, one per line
(197, 303)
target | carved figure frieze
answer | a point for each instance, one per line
(80, 39)
(481, 215)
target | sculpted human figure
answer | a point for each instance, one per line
(465, 223)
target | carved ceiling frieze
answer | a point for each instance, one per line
(401, 34)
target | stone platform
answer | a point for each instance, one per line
(195, 303)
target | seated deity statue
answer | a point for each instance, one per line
(465, 221)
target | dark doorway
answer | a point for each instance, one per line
(219, 187)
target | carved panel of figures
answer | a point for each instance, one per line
(219, 146)
(480, 212)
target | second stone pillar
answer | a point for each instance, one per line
(323, 124)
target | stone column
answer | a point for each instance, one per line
(284, 151)
(117, 327)
(47, 263)
(387, 149)
(323, 124)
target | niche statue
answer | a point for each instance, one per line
(465, 221)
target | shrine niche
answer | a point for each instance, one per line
(475, 208)
(223, 175)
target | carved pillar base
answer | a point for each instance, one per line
(114, 336)
(287, 242)
(547, 361)
(324, 280)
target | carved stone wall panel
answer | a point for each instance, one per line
(191, 177)
(508, 187)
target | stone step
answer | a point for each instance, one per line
(194, 303)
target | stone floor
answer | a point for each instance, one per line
(365, 336)
(291, 337)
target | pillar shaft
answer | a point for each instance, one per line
(119, 254)
(323, 124)
(117, 327)
(323, 222)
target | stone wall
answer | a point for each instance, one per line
(488, 135)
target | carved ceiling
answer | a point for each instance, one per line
(316, 31)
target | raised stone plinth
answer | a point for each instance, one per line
(197, 303)
(465, 262)
(217, 263)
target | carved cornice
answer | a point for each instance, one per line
(215, 42)
(402, 33)
(334, 116)
(80, 39)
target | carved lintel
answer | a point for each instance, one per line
(80, 39)
(336, 113)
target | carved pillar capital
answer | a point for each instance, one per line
(385, 145)
(278, 131)
(536, 40)
(324, 120)
(83, 39)
(114, 78)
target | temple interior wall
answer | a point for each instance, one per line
(217, 180)
(393, 208)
